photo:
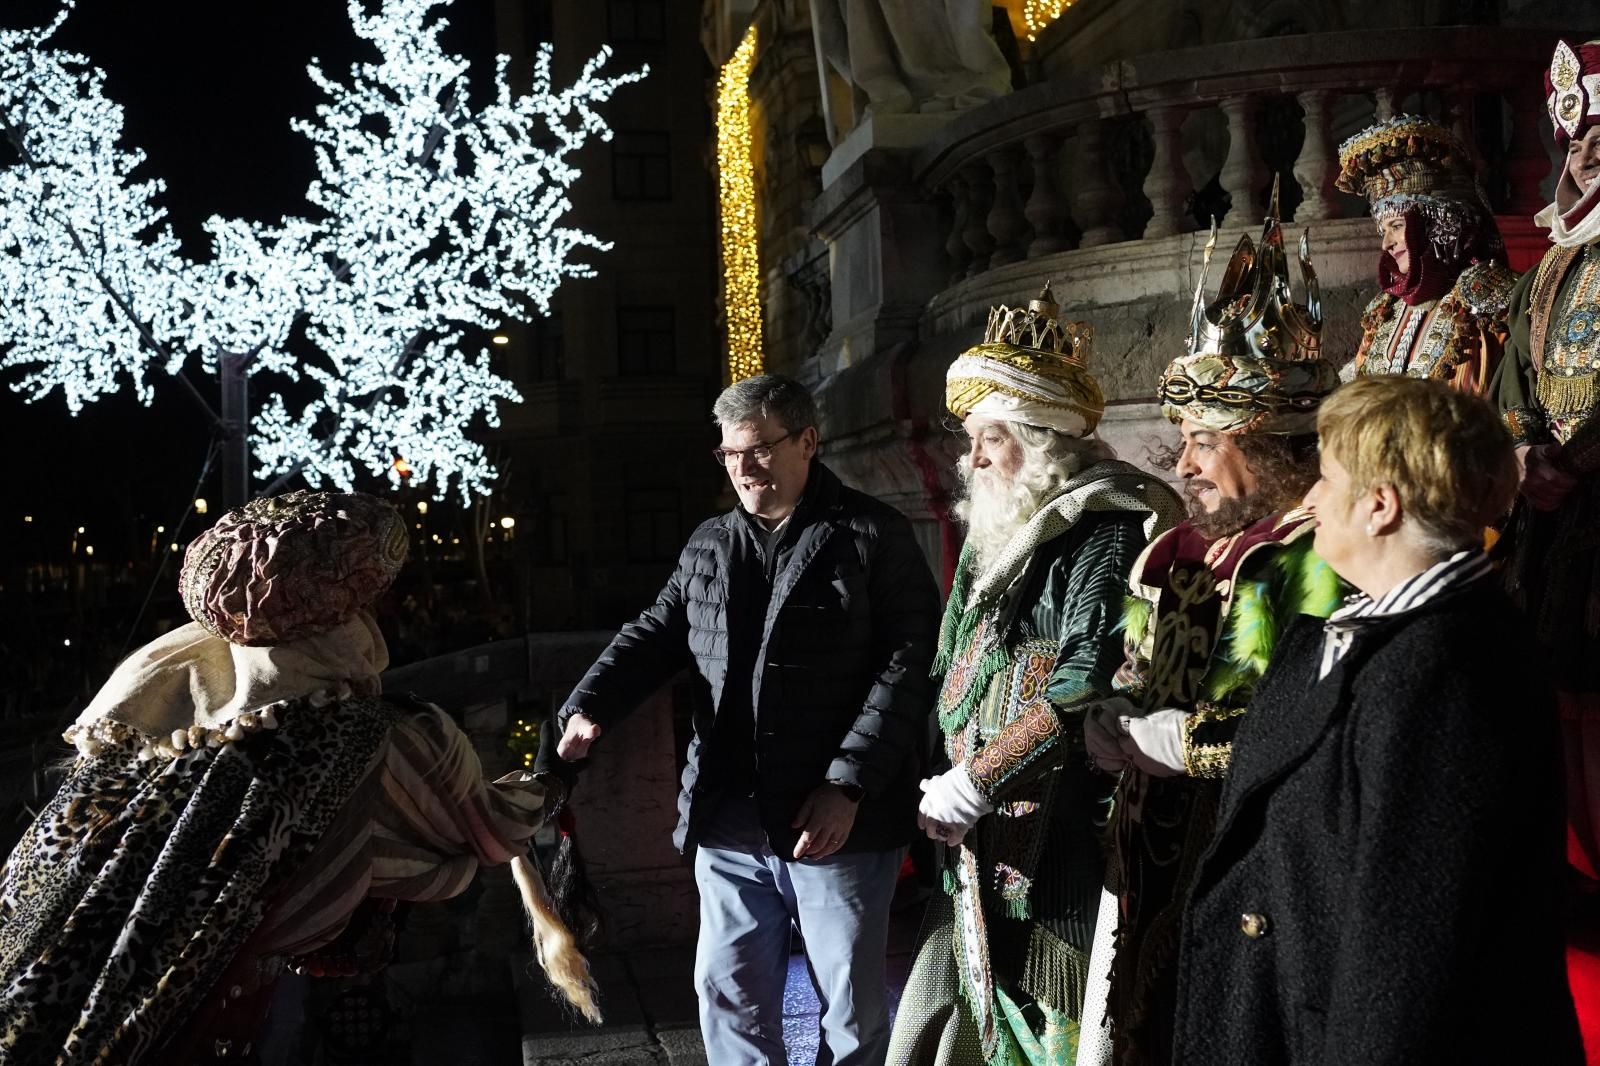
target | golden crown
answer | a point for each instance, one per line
(1036, 327)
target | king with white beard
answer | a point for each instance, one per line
(1054, 523)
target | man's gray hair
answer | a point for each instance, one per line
(763, 396)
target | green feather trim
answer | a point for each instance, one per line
(951, 884)
(1019, 908)
(1252, 627)
(1297, 582)
(1135, 618)
(1312, 583)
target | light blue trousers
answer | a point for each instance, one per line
(748, 897)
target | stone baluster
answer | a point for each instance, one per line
(980, 195)
(1318, 165)
(955, 245)
(1167, 186)
(1527, 164)
(1458, 116)
(1045, 209)
(1243, 175)
(1095, 199)
(1007, 223)
(1383, 104)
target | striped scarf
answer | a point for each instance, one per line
(1456, 572)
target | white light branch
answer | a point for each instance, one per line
(431, 221)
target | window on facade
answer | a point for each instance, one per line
(641, 166)
(646, 341)
(637, 21)
(547, 360)
(654, 525)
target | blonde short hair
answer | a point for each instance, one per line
(1445, 452)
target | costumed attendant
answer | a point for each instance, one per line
(1029, 639)
(1442, 311)
(1548, 389)
(241, 791)
(1208, 599)
(1385, 883)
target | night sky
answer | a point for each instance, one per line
(208, 91)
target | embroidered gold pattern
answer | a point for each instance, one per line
(1180, 642)
(1013, 746)
(1207, 760)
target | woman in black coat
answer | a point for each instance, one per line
(1385, 881)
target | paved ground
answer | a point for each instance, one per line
(650, 1008)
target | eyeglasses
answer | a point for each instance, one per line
(761, 453)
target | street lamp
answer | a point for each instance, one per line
(507, 522)
(422, 506)
(200, 505)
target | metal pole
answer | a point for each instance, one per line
(235, 430)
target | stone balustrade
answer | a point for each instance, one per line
(1089, 179)
(1031, 174)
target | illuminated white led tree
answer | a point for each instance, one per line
(433, 220)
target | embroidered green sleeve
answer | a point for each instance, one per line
(1512, 389)
(1080, 605)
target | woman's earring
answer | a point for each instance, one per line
(1372, 531)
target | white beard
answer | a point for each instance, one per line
(994, 512)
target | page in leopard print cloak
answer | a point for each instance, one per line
(244, 801)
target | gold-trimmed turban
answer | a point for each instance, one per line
(1031, 368)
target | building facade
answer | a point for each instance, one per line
(609, 465)
(1124, 128)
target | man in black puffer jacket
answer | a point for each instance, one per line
(812, 614)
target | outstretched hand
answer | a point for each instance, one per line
(581, 732)
(824, 821)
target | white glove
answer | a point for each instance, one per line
(1154, 743)
(1102, 733)
(952, 798)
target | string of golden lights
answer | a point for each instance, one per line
(1040, 13)
(741, 261)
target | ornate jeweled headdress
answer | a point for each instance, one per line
(1411, 163)
(1032, 367)
(1572, 89)
(1254, 362)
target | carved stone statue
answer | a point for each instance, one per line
(912, 55)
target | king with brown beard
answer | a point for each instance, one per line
(1208, 599)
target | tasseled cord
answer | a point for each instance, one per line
(553, 943)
